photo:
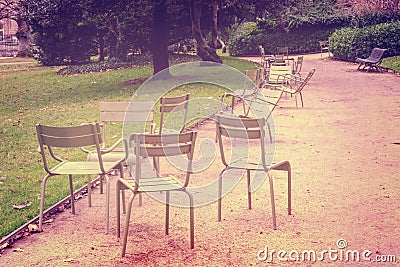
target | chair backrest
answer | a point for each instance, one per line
(298, 65)
(241, 128)
(255, 76)
(305, 81)
(376, 55)
(277, 73)
(282, 51)
(163, 145)
(323, 44)
(68, 137)
(262, 50)
(141, 112)
(178, 105)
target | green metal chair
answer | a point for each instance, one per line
(55, 140)
(157, 145)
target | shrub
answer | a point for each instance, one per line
(349, 43)
(303, 41)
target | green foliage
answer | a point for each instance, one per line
(114, 64)
(373, 18)
(315, 13)
(297, 41)
(350, 43)
(392, 63)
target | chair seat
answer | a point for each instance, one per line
(154, 184)
(288, 90)
(82, 167)
(108, 157)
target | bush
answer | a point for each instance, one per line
(304, 41)
(349, 43)
(113, 64)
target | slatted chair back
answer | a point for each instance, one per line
(163, 145)
(177, 107)
(67, 137)
(140, 112)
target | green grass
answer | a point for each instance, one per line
(392, 63)
(30, 94)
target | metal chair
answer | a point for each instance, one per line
(50, 138)
(324, 47)
(157, 145)
(248, 129)
(294, 85)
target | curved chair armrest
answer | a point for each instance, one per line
(112, 148)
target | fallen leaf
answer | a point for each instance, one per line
(48, 221)
(68, 260)
(18, 250)
(4, 246)
(22, 205)
(3, 177)
(33, 228)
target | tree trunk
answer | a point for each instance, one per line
(159, 38)
(101, 48)
(23, 38)
(214, 27)
(205, 52)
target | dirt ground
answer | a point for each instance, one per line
(344, 150)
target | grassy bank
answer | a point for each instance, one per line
(32, 94)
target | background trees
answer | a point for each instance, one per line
(70, 31)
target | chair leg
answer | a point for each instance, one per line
(140, 200)
(42, 202)
(167, 212)
(301, 98)
(89, 191)
(71, 192)
(127, 219)
(289, 170)
(191, 221)
(248, 190)
(107, 203)
(191, 211)
(101, 185)
(271, 191)
(220, 194)
(295, 97)
(270, 134)
(117, 204)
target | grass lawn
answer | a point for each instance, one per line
(392, 63)
(32, 94)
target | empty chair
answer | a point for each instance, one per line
(298, 64)
(248, 129)
(281, 55)
(372, 61)
(51, 138)
(157, 145)
(118, 112)
(135, 114)
(324, 47)
(294, 85)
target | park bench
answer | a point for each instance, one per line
(373, 61)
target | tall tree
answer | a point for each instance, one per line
(159, 38)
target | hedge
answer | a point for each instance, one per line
(298, 42)
(349, 43)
